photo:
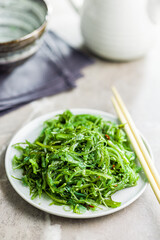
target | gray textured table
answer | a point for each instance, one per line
(139, 84)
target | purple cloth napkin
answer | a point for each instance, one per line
(53, 69)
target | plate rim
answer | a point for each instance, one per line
(44, 117)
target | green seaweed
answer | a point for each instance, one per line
(79, 161)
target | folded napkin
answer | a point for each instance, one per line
(53, 69)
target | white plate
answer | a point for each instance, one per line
(31, 132)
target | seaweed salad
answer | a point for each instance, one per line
(79, 161)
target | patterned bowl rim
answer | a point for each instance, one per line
(34, 34)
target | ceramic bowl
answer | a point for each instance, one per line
(22, 24)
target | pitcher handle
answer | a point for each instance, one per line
(75, 6)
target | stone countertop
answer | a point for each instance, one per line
(139, 84)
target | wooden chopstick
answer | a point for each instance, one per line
(137, 149)
(137, 137)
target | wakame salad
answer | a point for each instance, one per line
(79, 161)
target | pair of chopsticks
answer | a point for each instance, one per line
(137, 143)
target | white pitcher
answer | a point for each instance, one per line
(118, 29)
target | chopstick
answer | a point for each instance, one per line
(137, 137)
(137, 143)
